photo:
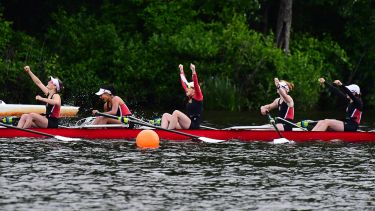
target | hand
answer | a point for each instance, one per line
(38, 97)
(192, 67)
(94, 112)
(276, 80)
(27, 69)
(337, 82)
(181, 67)
(264, 110)
(321, 81)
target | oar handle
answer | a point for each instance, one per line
(126, 120)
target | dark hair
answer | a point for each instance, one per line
(61, 85)
(110, 88)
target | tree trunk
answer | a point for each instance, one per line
(284, 22)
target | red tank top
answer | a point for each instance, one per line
(123, 110)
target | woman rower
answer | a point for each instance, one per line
(352, 95)
(284, 103)
(113, 105)
(194, 107)
(53, 104)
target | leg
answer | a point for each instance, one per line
(329, 124)
(280, 126)
(165, 120)
(179, 121)
(101, 120)
(98, 120)
(36, 120)
(22, 120)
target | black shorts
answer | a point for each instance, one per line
(287, 127)
(195, 123)
(53, 122)
(350, 126)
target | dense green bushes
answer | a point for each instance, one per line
(139, 54)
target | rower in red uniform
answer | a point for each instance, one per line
(53, 104)
(284, 103)
(194, 107)
(352, 96)
(113, 105)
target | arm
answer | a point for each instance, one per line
(283, 94)
(287, 98)
(198, 92)
(115, 105)
(182, 77)
(55, 100)
(267, 108)
(36, 80)
(333, 89)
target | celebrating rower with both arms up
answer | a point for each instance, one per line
(52, 100)
(194, 106)
(352, 95)
(113, 105)
(284, 103)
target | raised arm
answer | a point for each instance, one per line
(198, 92)
(283, 93)
(333, 89)
(357, 102)
(182, 77)
(36, 80)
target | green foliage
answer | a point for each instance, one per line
(222, 94)
(137, 45)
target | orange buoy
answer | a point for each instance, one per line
(147, 139)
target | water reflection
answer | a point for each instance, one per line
(103, 175)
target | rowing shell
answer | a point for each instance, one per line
(242, 135)
(19, 109)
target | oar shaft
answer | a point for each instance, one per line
(291, 123)
(27, 130)
(132, 119)
(272, 121)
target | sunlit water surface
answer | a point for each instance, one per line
(116, 175)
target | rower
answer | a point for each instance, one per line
(52, 100)
(113, 105)
(194, 106)
(284, 103)
(352, 96)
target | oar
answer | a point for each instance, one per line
(61, 138)
(291, 123)
(136, 121)
(280, 140)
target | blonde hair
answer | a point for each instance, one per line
(290, 85)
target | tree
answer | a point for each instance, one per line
(284, 23)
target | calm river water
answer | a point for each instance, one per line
(116, 175)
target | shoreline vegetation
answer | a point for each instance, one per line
(137, 46)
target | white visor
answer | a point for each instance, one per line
(284, 85)
(102, 91)
(354, 88)
(56, 83)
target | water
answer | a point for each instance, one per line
(45, 174)
(115, 175)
